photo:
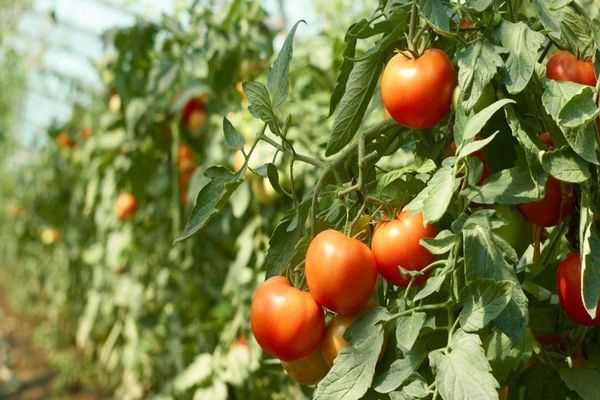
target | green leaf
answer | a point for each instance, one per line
(509, 186)
(408, 328)
(211, 198)
(273, 176)
(477, 122)
(282, 247)
(583, 141)
(463, 372)
(434, 282)
(419, 167)
(582, 381)
(416, 389)
(565, 165)
(436, 12)
(504, 355)
(549, 14)
(400, 370)
(435, 198)
(477, 65)
(233, 138)
(579, 110)
(483, 301)
(524, 45)
(441, 244)
(474, 146)
(260, 104)
(575, 34)
(589, 243)
(278, 83)
(361, 85)
(354, 367)
(346, 66)
(479, 5)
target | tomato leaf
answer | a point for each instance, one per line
(524, 45)
(477, 65)
(483, 301)
(211, 198)
(434, 282)
(400, 370)
(416, 389)
(550, 13)
(260, 104)
(441, 244)
(346, 66)
(583, 141)
(474, 146)
(278, 83)
(354, 367)
(565, 165)
(504, 355)
(286, 242)
(579, 110)
(475, 123)
(233, 138)
(434, 199)
(436, 12)
(408, 328)
(509, 186)
(575, 34)
(463, 372)
(589, 249)
(579, 379)
(362, 82)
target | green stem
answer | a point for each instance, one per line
(296, 156)
(414, 13)
(176, 194)
(426, 307)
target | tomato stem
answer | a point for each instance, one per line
(537, 236)
(414, 15)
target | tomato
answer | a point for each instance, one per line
(340, 272)
(64, 141)
(125, 207)
(49, 236)
(486, 98)
(568, 286)
(186, 161)
(554, 207)
(565, 66)
(194, 114)
(418, 92)
(517, 232)
(287, 322)
(308, 370)
(334, 341)
(396, 243)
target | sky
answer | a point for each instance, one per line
(62, 39)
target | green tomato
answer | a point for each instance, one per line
(488, 96)
(518, 232)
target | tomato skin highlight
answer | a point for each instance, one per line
(396, 243)
(568, 286)
(286, 322)
(308, 370)
(565, 66)
(340, 272)
(418, 92)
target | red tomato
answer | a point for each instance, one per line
(308, 370)
(287, 322)
(194, 114)
(396, 244)
(554, 207)
(340, 272)
(565, 66)
(546, 139)
(568, 286)
(125, 206)
(186, 161)
(418, 92)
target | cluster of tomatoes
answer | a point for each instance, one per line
(334, 263)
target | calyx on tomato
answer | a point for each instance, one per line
(417, 92)
(340, 272)
(396, 244)
(568, 286)
(287, 322)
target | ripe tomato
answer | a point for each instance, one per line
(194, 114)
(554, 207)
(308, 370)
(340, 272)
(333, 340)
(64, 141)
(396, 244)
(418, 92)
(568, 286)
(125, 207)
(565, 66)
(186, 161)
(287, 322)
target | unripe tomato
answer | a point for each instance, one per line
(568, 286)
(487, 97)
(287, 322)
(565, 66)
(418, 92)
(517, 232)
(340, 272)
(308, 370)
(49, 236)
(194, 114)
(186, 161)
(125, 207)
(396, 244)
(333, 340)
(554, 207)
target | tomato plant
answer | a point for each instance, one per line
(568, 286)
